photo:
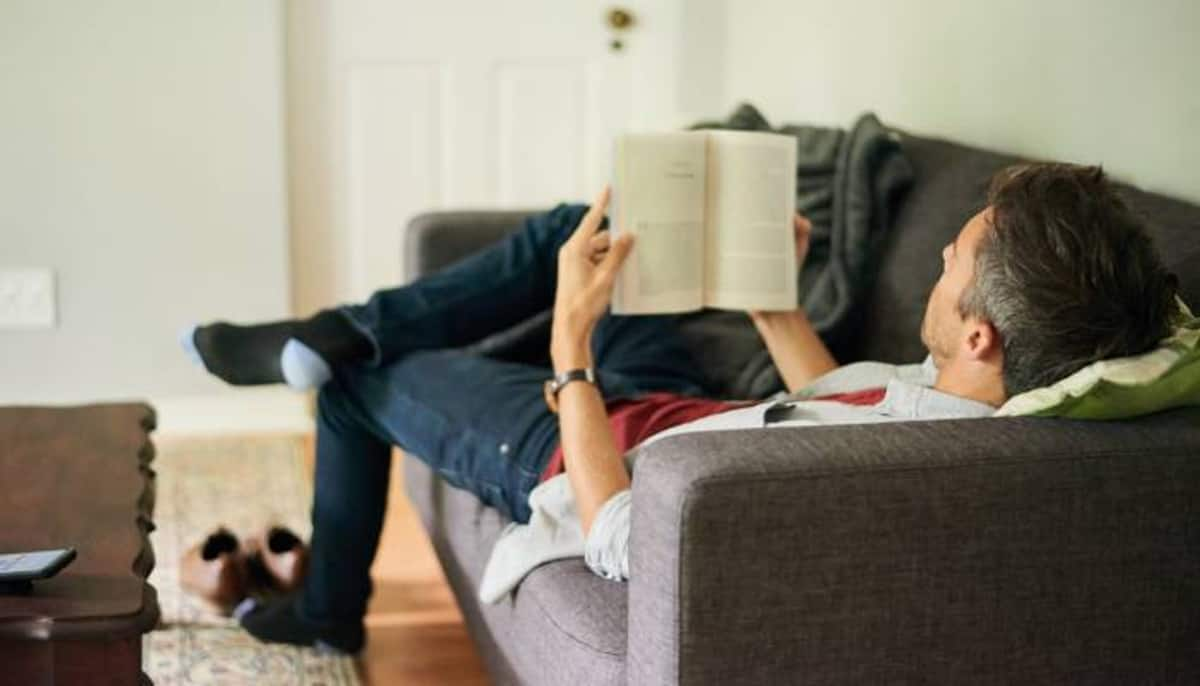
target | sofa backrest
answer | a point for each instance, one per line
(950, 185)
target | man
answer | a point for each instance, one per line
(1052, 275)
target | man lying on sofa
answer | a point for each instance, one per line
(1055, 273)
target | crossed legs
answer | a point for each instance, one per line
(480, 423)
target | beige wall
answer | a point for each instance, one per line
(1095, 81)
(141, 157)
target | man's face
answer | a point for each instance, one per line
(942, 330)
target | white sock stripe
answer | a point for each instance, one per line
(187, 341)
(302, 367)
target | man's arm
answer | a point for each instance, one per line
(798, 353)
(587, 269)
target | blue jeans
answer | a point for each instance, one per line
(480, 423)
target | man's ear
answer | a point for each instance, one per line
(982, 341)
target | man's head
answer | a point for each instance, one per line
(1055, 273)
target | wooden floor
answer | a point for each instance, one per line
(415, 634)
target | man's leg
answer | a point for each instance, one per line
(480, 423)
(481, 294)
(487, 292)
(349, 502)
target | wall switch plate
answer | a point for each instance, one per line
(27, 298)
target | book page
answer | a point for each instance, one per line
(658, 195)
(750, 260)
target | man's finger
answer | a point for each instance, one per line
(591, 221)
(616, 256)
(599, 240)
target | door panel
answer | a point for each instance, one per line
(396, 161)
(473, 104)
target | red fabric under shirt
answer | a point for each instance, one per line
(633, 421)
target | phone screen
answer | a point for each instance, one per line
(34, 564)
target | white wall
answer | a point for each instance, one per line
(1092, 81)
(141, 156)
(320, 245)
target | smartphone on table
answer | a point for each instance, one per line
(17, 570)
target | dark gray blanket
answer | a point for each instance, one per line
(848, 183)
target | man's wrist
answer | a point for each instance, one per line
(570, 348)
(766, 318)
(572, 356)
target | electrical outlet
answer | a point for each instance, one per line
(26, 299)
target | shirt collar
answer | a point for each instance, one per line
(912, 401)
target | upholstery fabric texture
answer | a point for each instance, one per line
(560, 641)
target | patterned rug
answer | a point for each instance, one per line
(245, 484)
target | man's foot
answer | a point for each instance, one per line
(296, 352)
(281, 621)
(240, 355)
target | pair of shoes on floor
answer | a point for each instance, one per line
(257, 580)
(224, 571)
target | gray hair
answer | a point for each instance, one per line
(1066, 274)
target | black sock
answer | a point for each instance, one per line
(249, 355)
(334, 338)
(243, 355)
(281, 621)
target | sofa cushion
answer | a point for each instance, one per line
(562, 625)
(560, 590)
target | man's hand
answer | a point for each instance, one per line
(587, 269)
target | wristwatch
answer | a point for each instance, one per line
(552, 386)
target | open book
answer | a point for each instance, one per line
(712, 212)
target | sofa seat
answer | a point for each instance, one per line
(569, 624)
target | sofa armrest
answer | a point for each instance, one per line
(965, 551)
(435, 239)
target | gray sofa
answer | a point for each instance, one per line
(992, 551)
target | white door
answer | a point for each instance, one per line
(476, 104)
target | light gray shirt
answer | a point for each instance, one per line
(554, 530)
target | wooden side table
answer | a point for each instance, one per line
(78, 476)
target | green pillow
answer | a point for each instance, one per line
(1166, 377)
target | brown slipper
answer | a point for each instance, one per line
(281, 554)
(215, 571)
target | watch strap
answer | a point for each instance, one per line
(561, 379)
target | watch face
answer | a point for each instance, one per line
(548, 393)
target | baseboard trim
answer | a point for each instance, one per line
(240, 411)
